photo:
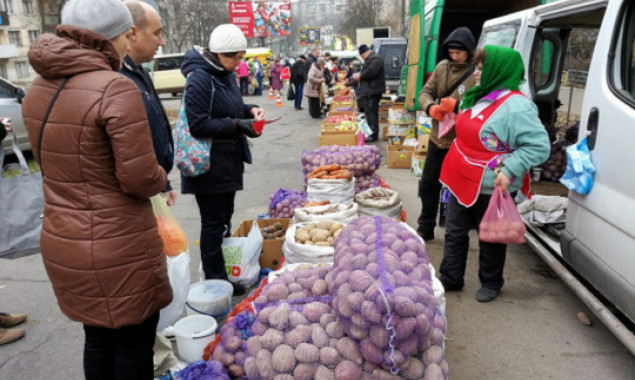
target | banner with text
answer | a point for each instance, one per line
(261, 19)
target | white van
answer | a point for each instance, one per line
(598, 239)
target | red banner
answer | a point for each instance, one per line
(261, 19)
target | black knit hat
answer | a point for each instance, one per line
(363, 49)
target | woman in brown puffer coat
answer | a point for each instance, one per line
(99, 242)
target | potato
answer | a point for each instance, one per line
(310, 226)
(302, 236)
(337, 233)
(334, 227)
(330, 240)
(324, 224)
(323, 244)
(321, 237)
(317, 231)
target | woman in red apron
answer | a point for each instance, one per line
(499, 137)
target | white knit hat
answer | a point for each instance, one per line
(109, 18)
(227, 38)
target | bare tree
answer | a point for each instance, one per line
(363, 14)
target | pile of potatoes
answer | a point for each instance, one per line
(274, 231)
(322, 234)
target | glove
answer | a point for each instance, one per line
(245, 127)
(448, 104)
(436, 112)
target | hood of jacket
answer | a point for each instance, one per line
(195, 59)
(70, 51)
(462, 35)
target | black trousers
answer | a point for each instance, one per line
(315, 110)
(371, 110)
(430, 189)
(216, 215)
(458, 223)
(244, 85)
(120, 354)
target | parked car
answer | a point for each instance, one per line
(167, 75)
(11, 107)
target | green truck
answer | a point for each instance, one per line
(432, 20)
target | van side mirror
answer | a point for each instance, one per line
(395, 63)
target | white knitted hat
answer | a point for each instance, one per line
(109, 18)
(227, 38)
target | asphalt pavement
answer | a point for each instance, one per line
(530, 332)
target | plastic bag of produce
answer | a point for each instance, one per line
(501, 222)
(383, 295)
(337, 212)
(580, 170)
(283, 202)
(311, 242)
(179, 275)
(241, 255)
(173, 236)
(333, 190)
(379, 201)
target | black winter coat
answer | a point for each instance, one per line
(372, 78)
(229, 149)
(158, 120)
(307, 66)
(298, 72)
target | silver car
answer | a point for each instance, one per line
(11, 107)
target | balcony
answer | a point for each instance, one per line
(8, 51)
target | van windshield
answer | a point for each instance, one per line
(500, 35)
(393, 57)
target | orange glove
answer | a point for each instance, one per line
(448, 104)
(436, 112)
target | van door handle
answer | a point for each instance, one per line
(592, 127)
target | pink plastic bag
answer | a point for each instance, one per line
(501, 222)
(448, 122)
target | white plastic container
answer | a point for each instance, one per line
(193, 334)
(210, 297)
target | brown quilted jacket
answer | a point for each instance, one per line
(99, 243)
(446, 73)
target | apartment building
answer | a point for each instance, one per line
(20, 24)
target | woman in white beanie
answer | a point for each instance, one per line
(214, 108)
(99, 243)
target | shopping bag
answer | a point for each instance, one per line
(446, 125)
(21, 205)
(284, 73)
(291, 93)
(501, 222)
(241, 255)
(173, 236)
(580, 170)
(191, 155)
(179, 276)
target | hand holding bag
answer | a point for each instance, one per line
(501, 222)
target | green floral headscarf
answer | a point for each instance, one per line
(503, 69)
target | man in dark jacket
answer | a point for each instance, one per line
(315, 53)
(298, 77)
(372, 84)
(144, 42)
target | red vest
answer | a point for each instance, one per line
(467, 158)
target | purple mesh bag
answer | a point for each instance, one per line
(283, 203)
(231, 350)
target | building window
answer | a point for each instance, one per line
(14, 38)
(28, 7)
(6, 6)
(33, 34)
(22, 69)
(3, 70)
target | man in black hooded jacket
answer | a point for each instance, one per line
(372, 84)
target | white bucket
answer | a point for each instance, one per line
(210, 297)
(193, 334)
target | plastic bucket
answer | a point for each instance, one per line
(210, 297)
(193, 334)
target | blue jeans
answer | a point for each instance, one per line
(298, 94)
(259, 90)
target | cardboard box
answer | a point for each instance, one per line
(271, 254)
(399, 156)
(401, 116)
(384, 130)
(417, 163)
(345, 138)
(407, 130)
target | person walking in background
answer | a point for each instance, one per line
(297, 79)
(452, 77)
(499, 137)
(243, 74)
(274, 74)
(314, 87)
(100, 244)
(215, 109)
(372, 86)
(258, 74)
(144, 41)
